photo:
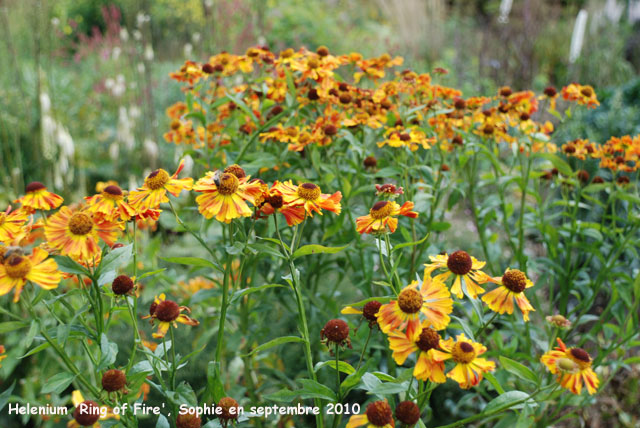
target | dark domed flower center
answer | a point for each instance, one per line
(410, 301)
(167, 311)
(122, 285)
(408, 412)
(276, 201)
(80, 224)
(370, 310)
(460, 263)
(34, 187)
(309, 191)
(226, 405)
(113, 380)
(228, 184)
(112, 192)
(379, 413)
(87, 413)
(336, 331)
(235, 170)
(157, 179)
(463, 353)
(381, 209)
(587, 92)
(429, 339)
(17, 267)
(514, 280)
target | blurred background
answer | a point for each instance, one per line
(84, 84)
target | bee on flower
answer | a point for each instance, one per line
(154, 190)
(382, 217)
(470, 367)
(511, 287)
(572, 367)
(432, 299)
(16, 269)
(426, 367)
(225, 194)
(309, 196)
(168, 313)
(37, 197)
(77, 233)
(464, 268)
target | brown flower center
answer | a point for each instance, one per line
(381, 209)
(336, 331)
(370, 310)
(34, 187)
(460, 263)
(228, 184)
(429, 339)
(379, 413)
(580, 357)
(514, 280)
(188, 420)
(235, 170)
(167, 311)
(587, 92)
(408, 412)
(226, 404)
(17, 267)
(113, 380)
(112, 192)
(87, 413)
(276, 201)
(122, 285)
(463, 353)
(309, 191)
(410, 301)
(157, 179)
(80, 224)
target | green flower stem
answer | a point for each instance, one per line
(485, 325)
(471, 176)
(173, 358)
(338, 372)
(384, 266)
(523, 188)
(302, 319)
(364, 349)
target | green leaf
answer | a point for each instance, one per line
(316, 249)
(162, 422)
(313, 389)
(8, 326)
(518, 369)
(342, 365)
(109, 351)
(6, 394)
(37, 349)
(116, 258)
(494, 382)
(508, 400)
(563, 167)
(241, 293)
(440, 226)
(275, 342)
(65, 264)
(410, 244)
(241, 104)
(57, 383)
(215, 388)
(193, 261)
(150, 273)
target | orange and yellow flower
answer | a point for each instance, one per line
(110, 204)
(77, 233)
(271, 201)
(465, 353)
(3, 355)
(16, 269)
(382, 217)
(225, 194)
(512, 285)
(432, 300)
(309, 196)
(463, 267)
(426, 367)
(583, 94)
(11, 223)
(154, 190)
(572, 367)
(37, 197)
(168, 313)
